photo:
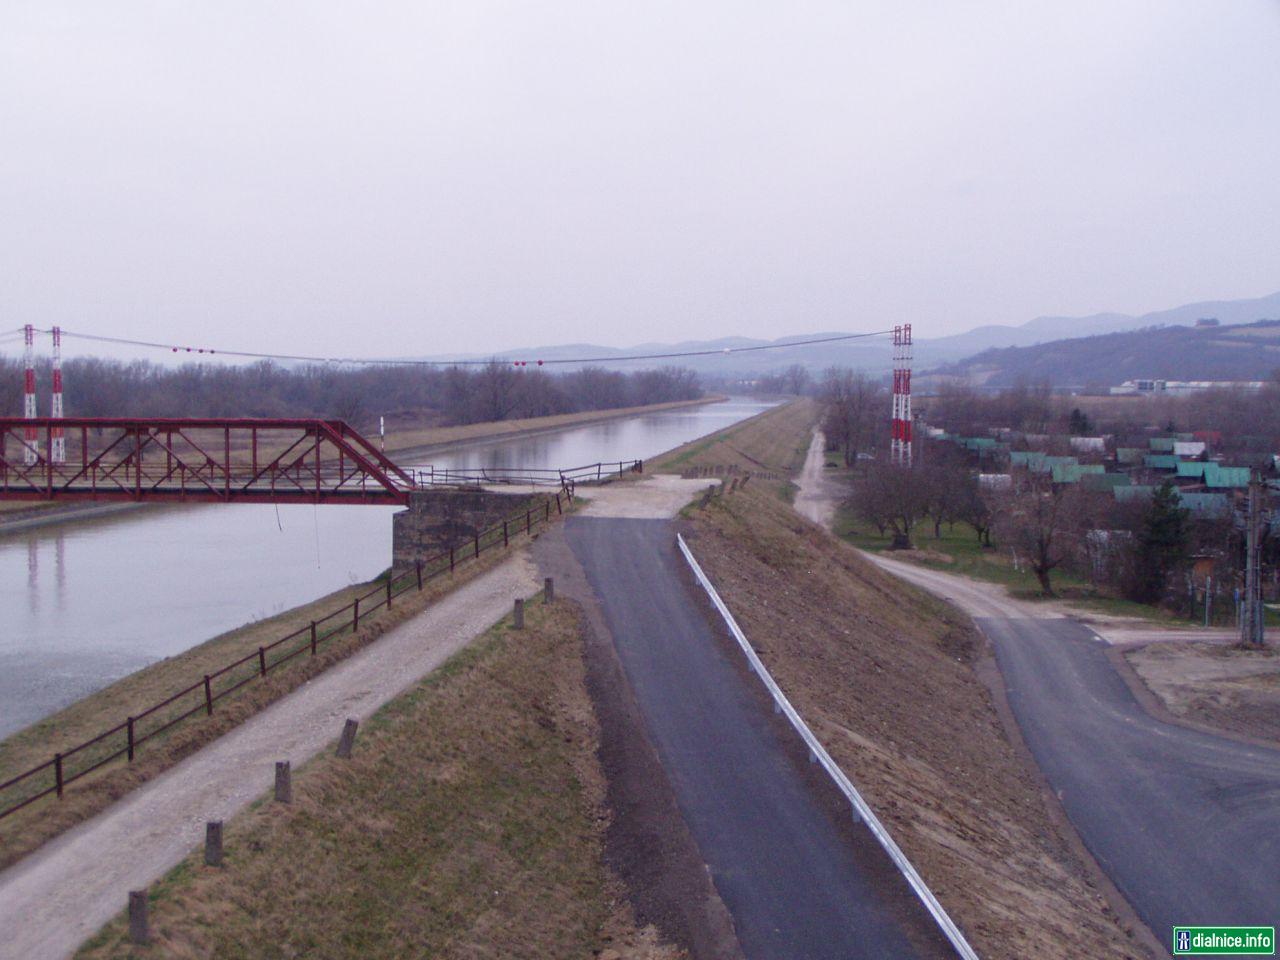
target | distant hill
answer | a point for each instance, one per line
(1046, 329)
(876, 354)
(1240, 352)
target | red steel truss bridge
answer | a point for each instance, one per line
(238, 460)
(195, 460)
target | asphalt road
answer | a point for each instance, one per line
(1186, 824)
(796, 886)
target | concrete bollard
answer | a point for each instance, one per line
(548, 590)
(348, 738)
(213, 843)
(284, 782)
(519, 615)
(139, 922)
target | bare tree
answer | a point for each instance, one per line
(856, 408)
(796, 378)
(1043, 523)
(892, 498)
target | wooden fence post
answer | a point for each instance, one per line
(284, 782)
(213, 843)
(519, 614)
(451, 559)
(417, 565)
(348, 738)
(528, 521)
(208, 696)
(389, 579)
(355, 615)
(313, 638)
(477, 546)
(139, 924)
(57, 773)
(559, 509)
(505, 541)
(262, 661)
(548, 590)
(130, 730)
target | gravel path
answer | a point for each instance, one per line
(59, 896)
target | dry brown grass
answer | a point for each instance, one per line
(891, 690)
(468, 824)
(24, 831)
(772, 444)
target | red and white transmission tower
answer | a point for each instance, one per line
(900, 449)
(31, 448)
(57, 440)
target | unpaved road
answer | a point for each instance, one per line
(60, 895)
(1186, 824)
(798, 887)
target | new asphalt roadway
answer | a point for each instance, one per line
(1185, 823)
(797, 886)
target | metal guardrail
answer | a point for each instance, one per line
(818, 752)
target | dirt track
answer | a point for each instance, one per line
(59, 896)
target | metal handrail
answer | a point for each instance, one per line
(819, 753)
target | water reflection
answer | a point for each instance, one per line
(88, 602)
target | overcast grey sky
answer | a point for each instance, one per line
(418, 177)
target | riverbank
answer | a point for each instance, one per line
(26, 829)
(428, 440)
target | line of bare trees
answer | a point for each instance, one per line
(495, 391)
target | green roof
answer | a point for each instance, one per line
(1105, 481)
(1072, 472)
(1161, 461)
(1225, 478)
(1129, 454)
(1128, 494)
(1206, 504)
(1162, 444)
(1191, 468)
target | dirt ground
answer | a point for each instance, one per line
(892, 691)
(1222, 686)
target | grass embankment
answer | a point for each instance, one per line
(24, 831)
(414, 437)
(771, 445)
(469, 823)
(890, 688)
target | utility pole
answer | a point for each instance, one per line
(1251, 611)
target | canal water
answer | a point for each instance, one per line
(86, 602)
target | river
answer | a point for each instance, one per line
(87, 602)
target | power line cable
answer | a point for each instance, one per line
(173, 348)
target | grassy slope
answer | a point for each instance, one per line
(893, 695)
(24, 831)
(772, 442)
(469, 824)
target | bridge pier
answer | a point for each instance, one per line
(439, 519)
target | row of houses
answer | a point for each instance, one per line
(1206, 487)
